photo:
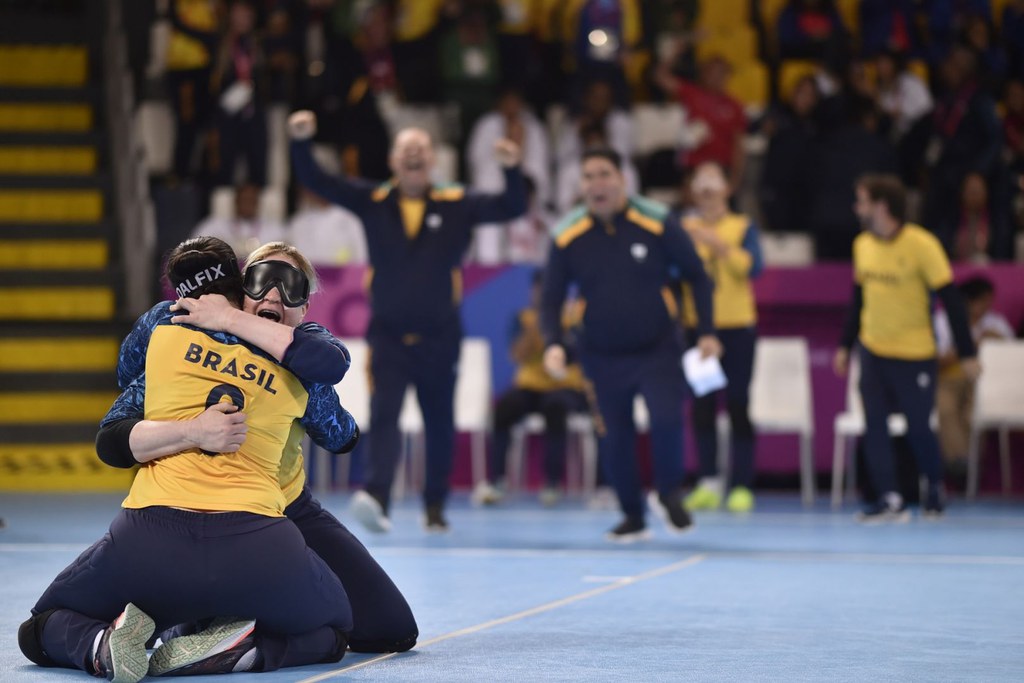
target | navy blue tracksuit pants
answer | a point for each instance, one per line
(655, 374)
(430, 364)
(182, 567)
(887, 386)
(738, 345)
(382, 620)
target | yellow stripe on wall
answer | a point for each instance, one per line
(56, 303)
(54, 407)
(73, 354)
(53, 254)
(60, 65)
(45, 117)
(48, 160)
(51, 206)
(59, 467)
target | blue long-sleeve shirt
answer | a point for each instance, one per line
(624, 271)
(412, 291)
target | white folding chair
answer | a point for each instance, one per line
(998, 404)
(780, 403)
(582, 469)
(472, 411)
(849, 424)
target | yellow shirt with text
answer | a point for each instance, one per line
(897, 277)
(187, 371)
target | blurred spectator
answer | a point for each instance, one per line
(811, 29)
(245, 230)
(239, 84)
(415, 47)
(978, 35)
(597, 111)
(1012, 30)
(965, 138)
(974, 229)
(193, 41)
(717, 119)
(510, 119)
(549, 86)
(955, 398)
(329, 234)
(888, 26)
(600, 36)
(517, 55)
(359, 90)
(469, 66)
(533, 390)
(1013, 125)
(945, 20)
(791, 129)
(902, 95)
(282, 47)
(836, 159)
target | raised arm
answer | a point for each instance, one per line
(352, 194)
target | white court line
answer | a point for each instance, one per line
(547, 607)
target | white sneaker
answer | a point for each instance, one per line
(603, 498)
(485, 493)
(369, 512)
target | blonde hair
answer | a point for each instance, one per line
(266, 252)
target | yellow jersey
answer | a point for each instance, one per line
(733, 301)
(186, 372)
(530, 374)
(897, 277)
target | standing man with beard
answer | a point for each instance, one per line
(416, 233)
(897, 266)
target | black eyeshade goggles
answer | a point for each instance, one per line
(291, 282)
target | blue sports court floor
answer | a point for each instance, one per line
(522, 593)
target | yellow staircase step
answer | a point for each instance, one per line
(54, 407)
(57, 303)
(53, 254)
(37, 117)
(43, 65)
(48, 160)
(56, 354)
(51, 206)
(59, 467)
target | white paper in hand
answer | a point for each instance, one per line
(704, 374)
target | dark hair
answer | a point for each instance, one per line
(208, 255)
(885, 187)
(606, 153)
(976, 287)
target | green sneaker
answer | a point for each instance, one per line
(121, 654)
(219, 648)
(703, 498)
(740, 500)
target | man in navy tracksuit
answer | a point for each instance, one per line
(623, 253)
(417, 234)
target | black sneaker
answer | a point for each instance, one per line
(630, 530)
(434, 521)
(671, 511)
(934, 503)
(225, 646)
(889, 509)
(121, 653)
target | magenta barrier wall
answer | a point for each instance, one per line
(809, 302)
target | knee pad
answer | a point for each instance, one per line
(30, 639)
